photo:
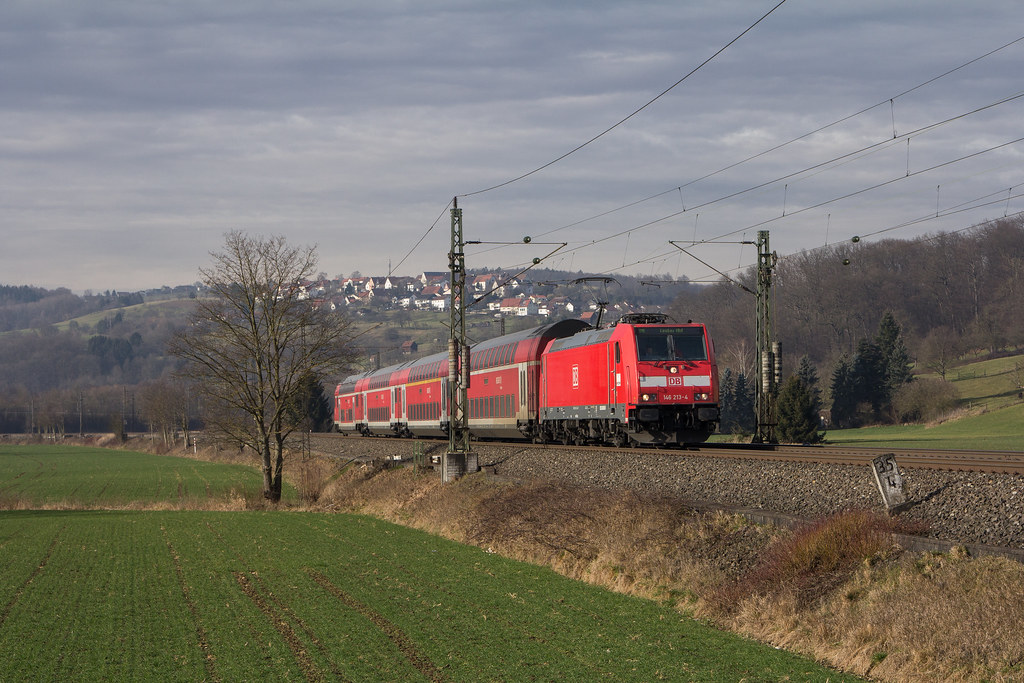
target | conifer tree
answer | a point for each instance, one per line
(895, 356)
(726, 401)
(743, 402)
(809, 376)
(844, 398)
(798, 420)
(869, 387)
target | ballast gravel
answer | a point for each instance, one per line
(961, 507)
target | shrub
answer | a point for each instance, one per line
(924, 399)
(812, 560)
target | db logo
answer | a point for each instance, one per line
(675, 381)
(575, 375)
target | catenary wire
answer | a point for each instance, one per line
(765, 152)
(832, 161)
(627, 118)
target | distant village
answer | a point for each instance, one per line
(500, 295)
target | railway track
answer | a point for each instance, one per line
(1004, 462)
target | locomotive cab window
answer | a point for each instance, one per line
(670, 344)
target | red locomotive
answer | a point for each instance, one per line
(640, 381)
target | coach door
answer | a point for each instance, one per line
(522, 389)
(396, 403)
(611, 373)
(616, 380)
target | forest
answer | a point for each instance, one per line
(70, 362)
(840, 310)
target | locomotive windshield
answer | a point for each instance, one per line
(670, 343)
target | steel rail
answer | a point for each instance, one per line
(1007, 462)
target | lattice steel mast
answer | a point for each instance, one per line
(459, 459)
(769, 355)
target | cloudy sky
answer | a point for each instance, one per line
(135, 133)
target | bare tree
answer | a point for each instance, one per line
(250, 345)
(941, 349)
(164, 405)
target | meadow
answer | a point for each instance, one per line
(990, 416)
(997, 430)
(111, 568)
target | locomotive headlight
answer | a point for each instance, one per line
(701, 397)
(646, 397)
(673, 369)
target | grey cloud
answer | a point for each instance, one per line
(159, 126)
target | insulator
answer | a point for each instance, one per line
(777, 353)
(453, 372)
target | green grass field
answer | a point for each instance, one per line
(999, 430)
(218, 595)
(77, 477)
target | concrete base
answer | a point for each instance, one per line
(454, 465)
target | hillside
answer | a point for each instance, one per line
(990, 415)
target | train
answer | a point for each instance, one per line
(641, 381)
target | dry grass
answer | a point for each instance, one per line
(950, 615)
(918, 617)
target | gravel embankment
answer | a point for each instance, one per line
(963, 507)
